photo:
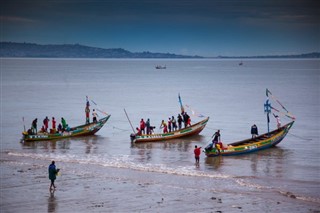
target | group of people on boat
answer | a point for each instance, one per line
(173, 124)
(87, 112)
(63, 126)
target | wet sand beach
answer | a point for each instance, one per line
(90, 188)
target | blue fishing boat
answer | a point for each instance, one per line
(264, 141)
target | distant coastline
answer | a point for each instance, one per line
(32, 50)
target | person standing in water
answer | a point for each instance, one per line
(197, 152)
(52, 174)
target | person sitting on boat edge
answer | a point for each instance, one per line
(68, 128)
(254, 131)
(30, 132)
(42, 130)
(138, 131)
(59, 128)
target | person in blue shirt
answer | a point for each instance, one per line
(52, 174)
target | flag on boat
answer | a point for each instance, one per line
(181, 105)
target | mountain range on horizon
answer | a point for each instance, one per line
(32, 50)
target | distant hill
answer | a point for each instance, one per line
(12, 49)
(305, 55)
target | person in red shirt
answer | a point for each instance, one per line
(53, 125)
(142, 126)
(197, 152)
(138, 131)
(46, 123)
(164, 126)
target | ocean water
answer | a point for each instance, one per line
(231, 95)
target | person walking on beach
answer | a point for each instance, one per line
(52, 175)
(197, 152)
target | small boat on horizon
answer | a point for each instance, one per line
(161, 67)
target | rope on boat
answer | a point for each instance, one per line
(124, 130)
(96, 106)
(306, 139)
(286, 113)
(194, 112)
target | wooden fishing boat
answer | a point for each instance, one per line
(260, 142)
(264, 141)
(82, 130)
(189, 131)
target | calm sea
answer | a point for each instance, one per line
(231, 95)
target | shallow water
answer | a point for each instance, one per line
(231, 95)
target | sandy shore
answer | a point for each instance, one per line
(83, 188)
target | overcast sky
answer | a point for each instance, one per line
(199, 27)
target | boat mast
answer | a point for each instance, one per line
(267, 109)
(129, 120)
(181, 105)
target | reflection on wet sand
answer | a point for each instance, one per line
(52, 202)
(214, 162)
(145, 150)
(269, 161)
(49, 146)
(64, 144)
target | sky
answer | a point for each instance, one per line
(207, 28)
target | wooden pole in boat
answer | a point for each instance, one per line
(129, 120)
(24, 126)
(267, 109)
